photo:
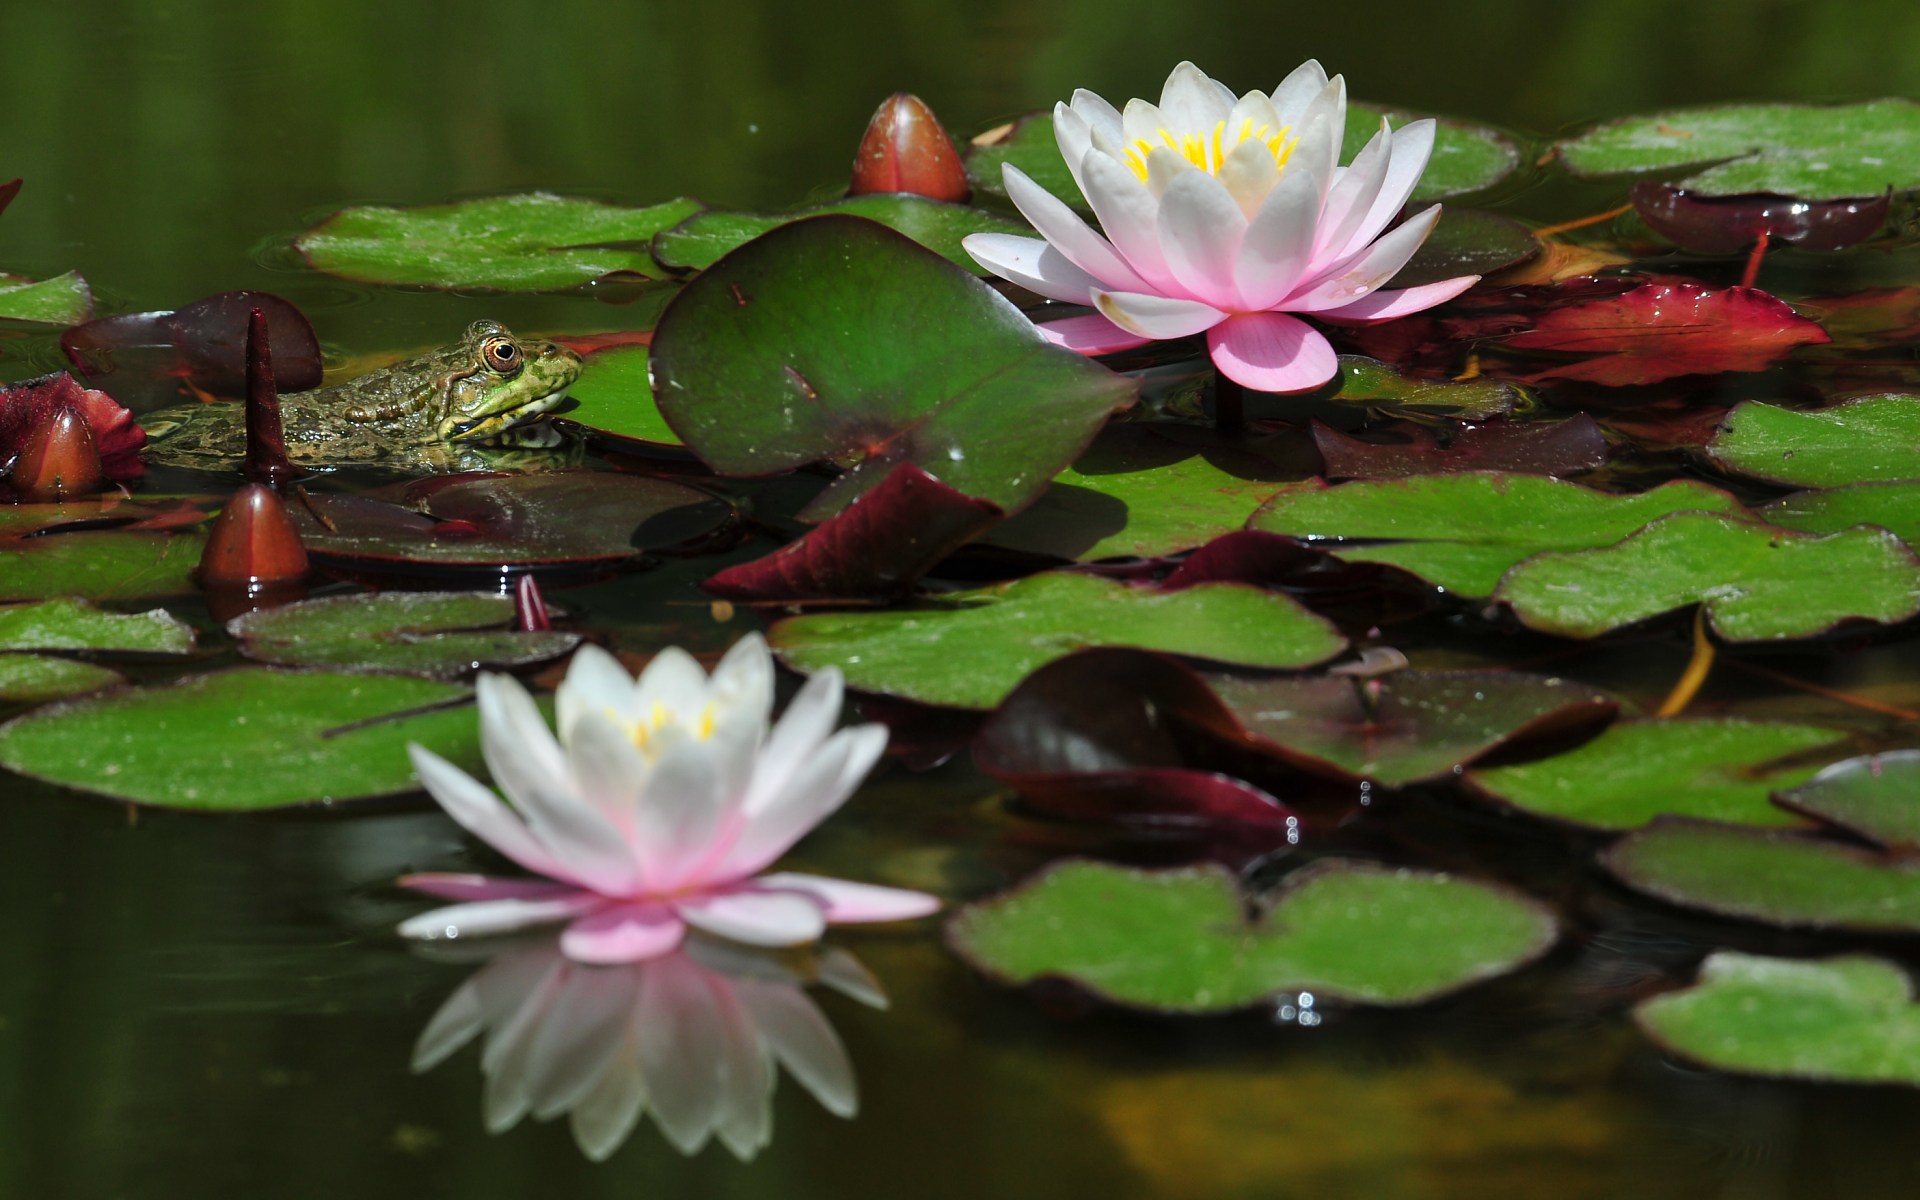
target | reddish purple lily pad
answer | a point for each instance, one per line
(1726, 224)
(1531, 447)
(149, 356)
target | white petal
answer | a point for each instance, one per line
(754, 917)
(1278, 247)
(1200, 231)
(1063, 227)
(1157, 317)
(1411, 148)
(1351, 197)
(809, 719)
(847, 975)
(1322, 129)
(595, 682)
(1250, 174)
(458, 1021)
(681, 1033)
(679, 814)
(485, 917)
(1096, 112)
(810, 795)
(482, 813)
(673, 684)
(1378, 263)
(1297, 90)
(1033, 264)
(1191, 102)
(1141, 121)
(606, 1115)
(800, 1037)
(849, 903)
(578, 1038)
(1252, 113)
(1129, 212)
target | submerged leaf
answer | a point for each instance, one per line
(1725, 224)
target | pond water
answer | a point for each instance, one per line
(217, 1006)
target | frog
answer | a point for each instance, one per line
(445, 411)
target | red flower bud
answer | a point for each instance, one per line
(253, 543)
(906, 150)
(60, 458)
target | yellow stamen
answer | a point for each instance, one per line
(1209, 151)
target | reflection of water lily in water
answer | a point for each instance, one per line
(695, 1037)
(656, 809)
(1223, 215)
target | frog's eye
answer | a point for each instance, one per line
(501, 354)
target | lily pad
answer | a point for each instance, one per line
(1773, 876)
(1757, 583)
(1380, 387)
(248, 738)
(99, 565)
(970, 655)
(1532, 447)
(1722, 769)
(1468, 241)
(1816, 152)
(62, 300)
(1840, 1020)
(836, 338)
(1464, 531)
(1894, 507)
(67, 624)
(1409, 726)
(702, 239)
(1182, 941)
(441, 635)
(1870, 438)
(533, 242)
(615, 397)
(32, 678)
(1875, 795)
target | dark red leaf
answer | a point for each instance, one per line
(906, 149)
(8, 191)
(1243, 556)
(879, 545)
(584, 344)
(27, 405)
(1532, 447)
(202, 344)
(1727, 224)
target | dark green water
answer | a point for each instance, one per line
(195, 1007)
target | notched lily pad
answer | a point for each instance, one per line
(1757, 583)
(1872, 438)
(32, 678)
(1876, 796)
(1894, 507)
(1839, 1020)
(1723, 769)
(441, 635)
(532, 242)
(249, 738)
(69, 624)
(1183, 941)
(702, 239)
(971, 654)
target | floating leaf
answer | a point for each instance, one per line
(533, 242)
(835, 338)
(613, 396)
(99, 565)
(32, 678)
(1725, 224)
(1182, 941)
(441, 635)
(1464, 531)
(1869, 438)
(1723, 769)
(1666, 329)
(1529, 447)
(1818, 152)
(202, 345)
(1875, 795)
(1756, 582)
(1774, 876)
(1468, 241)
(1409, 726)
(62, 300)
(1894, 507)
(699, 241)
(1028, 143)
(970, 655)
(65, 624)
(1378, 386)
(1840, 1020)
(248, 738)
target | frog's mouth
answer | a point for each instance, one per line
(480, 429)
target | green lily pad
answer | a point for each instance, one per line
(1028, 144)
(1722, 769)
(1815, 152)
(1756, 582)
(834, 337)
(1871, 438)
(1376, 385)
(100, 565)
(1894, 507)
(699, 241)
(1464, 531)
(1144, 491)
(1182, 940)
(533, 242)
(62, 300)
(1840, 1020)
(1774, 876)
(615, 397)
(441, 635)
(32, 678)
(248, 738)
(1468, 241)
(1875, 795)
(970, 655)
(1408, 726)
(68, 624)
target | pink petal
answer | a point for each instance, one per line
(1091, 334)
(1341, 284)
(1157, 317)
(1033, 264)
(1271, 352)
(1385, 304)
(848, 903)
(1201, 226)
(819, 786)
(485, 917)
(623, 933)
(449, 886)
(755, 917)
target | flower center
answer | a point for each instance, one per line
(645, 733)
(1209, 151)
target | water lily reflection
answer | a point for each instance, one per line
(694, 1037)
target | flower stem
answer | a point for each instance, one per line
(1696, 672)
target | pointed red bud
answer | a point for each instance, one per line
(907, 150)
(529, 607)
(253, 543)
(59, 460)
(266, 445)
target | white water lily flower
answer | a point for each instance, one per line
(656, 809)
(1224, 216)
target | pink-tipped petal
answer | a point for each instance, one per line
(469, 888)
(1341, 284)
(1387, 303)
(812, 794)
(1412, 145)
(1091, 334)
(481, 813)
(1069, 234)
(486, 917)
(1271, 352)
(848, 903)
(623, 933)
(1157, 317)
(1201, 227)
(755, 917)
(1352, 195)
(1033, 264)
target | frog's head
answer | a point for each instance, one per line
(505, 380)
